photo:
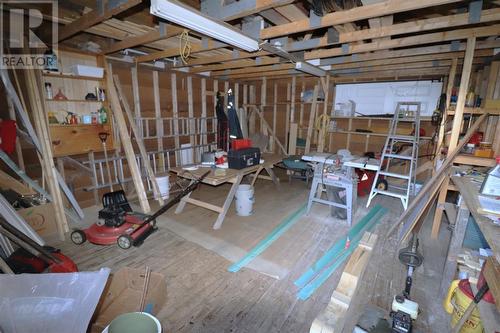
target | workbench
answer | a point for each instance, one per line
(232, 176)
(469, 190)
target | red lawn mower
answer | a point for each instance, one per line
(118, 223)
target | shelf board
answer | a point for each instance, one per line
(79, 125)
(474, 160)
(371, 134)
(71, 76)
(72, 101)
(375, 118)
(468, 110)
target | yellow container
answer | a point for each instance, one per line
(457, 300)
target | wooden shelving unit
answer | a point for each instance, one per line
(77, 138)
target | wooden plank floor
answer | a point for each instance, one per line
(203, 297)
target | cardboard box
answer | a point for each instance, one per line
(40, 218)
(123, 294)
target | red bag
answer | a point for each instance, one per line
(8, 136)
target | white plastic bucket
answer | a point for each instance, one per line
(244, 200)
(163, 186)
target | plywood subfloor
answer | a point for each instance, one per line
(203, 297)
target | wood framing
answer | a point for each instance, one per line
(126, 142)
(94, 17)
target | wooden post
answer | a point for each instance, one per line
(251, 120)
(292, 106)
(263, 121)
(292, 141)
(159, 119)
(138, 140)
(287, 115)
(34, 83)
(137, 99)
(455, 131)
(175, 114)
(263, 97)
(275, 111)
(126, 142)
(312, 117)
(449, 89)
(325, 121)
(301, 116)
(192, 126)
(19, 150)
(216, 89)
(204, 129)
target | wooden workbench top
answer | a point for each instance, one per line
(230, 174)
(469, 192)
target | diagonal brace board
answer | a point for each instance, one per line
(31, 131)
(266, 242)
(13, 166)
(369, 219)
(138, 138)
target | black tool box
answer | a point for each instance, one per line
(243, 158)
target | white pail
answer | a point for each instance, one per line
(163, 186)
(244, 200)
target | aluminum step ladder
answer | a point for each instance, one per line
(406, 112)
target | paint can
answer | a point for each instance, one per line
(163, 186)
(244, 200)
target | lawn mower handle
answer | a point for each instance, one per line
(176, 199)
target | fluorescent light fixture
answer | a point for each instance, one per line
(185, 16)
(309, 69)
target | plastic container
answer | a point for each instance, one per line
(244, 200)
(457, 300)
(163, 186)
(90, 71)
(134, 322)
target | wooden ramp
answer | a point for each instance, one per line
(332, 319)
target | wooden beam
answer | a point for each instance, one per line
(159, 120)
(138, 139)
(435, 23)
(39, 112)
(250, 66)
(175, 51)
(355, 14)
(175, 114)
(137, 100)
(347, 58)
(146, 38)
(455, 130)
(449, 89)
(260, 5)
(92, 18)
(436, 37)
(126, 141)
(312, 117)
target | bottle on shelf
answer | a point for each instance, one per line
(48, 90)
(50, 61)
(103, 115)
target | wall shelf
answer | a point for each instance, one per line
(71, 76)
(72, 101)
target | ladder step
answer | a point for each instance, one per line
(401, 157)
(394, 175)
(391, 194)
(408, 138)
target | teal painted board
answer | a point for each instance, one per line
(311, 287)
(336, 249)
(266, 242)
